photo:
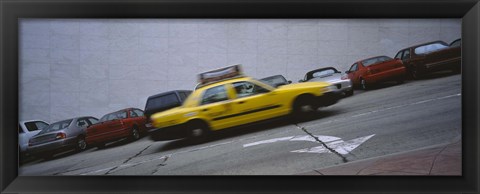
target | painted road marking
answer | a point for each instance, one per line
(294, 138)
(334, 143)
(340, 146)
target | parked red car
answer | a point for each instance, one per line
(431, 57)
(126, 123)
(375, 70)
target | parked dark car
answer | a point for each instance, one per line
(331, 75)
(276, 81)
(430, 57)
(456, 43)
(164, 101)
(126, 123)
(374, 70)
(61, 136)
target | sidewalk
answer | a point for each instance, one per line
(442, 160)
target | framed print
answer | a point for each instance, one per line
(239, 96)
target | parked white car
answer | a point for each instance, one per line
(26, 130)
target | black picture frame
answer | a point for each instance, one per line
(11, 11)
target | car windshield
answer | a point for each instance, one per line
(320, 73)
(274, 81)
(375, 60)
(57, 126)
(323, 73)
(430, 48)
(35, 125)
(162, 101)
(113, 116)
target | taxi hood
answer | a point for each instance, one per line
(304, 85)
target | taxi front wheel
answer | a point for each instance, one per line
(303, 106)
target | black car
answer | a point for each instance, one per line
(456, 43)
(164, 101)
(276, 81)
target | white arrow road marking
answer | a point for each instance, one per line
(340, 146)
(294, 138)
(335, 143)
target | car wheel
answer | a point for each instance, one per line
(198, 132)
(135, 134)
(363, 84)
(81, 144)
(47, 156)
(100, 145)
(349, 93)
(457, 70)
(414, 73)
(303, 106)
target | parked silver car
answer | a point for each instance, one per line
(61, 136)
(330, 75)
(276, 81)
(26, 130)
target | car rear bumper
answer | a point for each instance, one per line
(52, 146)
(342, 86)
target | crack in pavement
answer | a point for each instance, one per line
(127, 160)
(435, 159)
(163, 163)
(324, 144)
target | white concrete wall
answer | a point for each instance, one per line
(91, 67)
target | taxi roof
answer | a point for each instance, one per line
(244, 78)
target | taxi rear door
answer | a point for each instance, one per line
(215, 105)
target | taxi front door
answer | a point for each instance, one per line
(254, 103)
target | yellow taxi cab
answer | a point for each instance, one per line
(226, 98)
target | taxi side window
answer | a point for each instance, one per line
(244, 89)
(215, 94)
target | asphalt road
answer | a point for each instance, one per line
(388, 119)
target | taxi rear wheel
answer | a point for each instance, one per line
(198, 132)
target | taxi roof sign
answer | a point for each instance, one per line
(219, 74)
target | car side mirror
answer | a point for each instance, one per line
(289, 81)
(300, 80)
